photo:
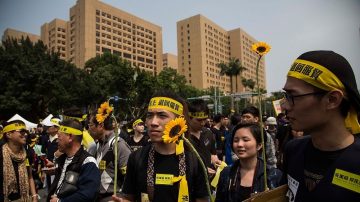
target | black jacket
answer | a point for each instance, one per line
(88, 182)
(228, 193)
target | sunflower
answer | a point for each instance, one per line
(174, 129)
(261, 48)
(103, 112)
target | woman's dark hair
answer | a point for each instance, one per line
(254, 130)
(72, 123)
(9, 123)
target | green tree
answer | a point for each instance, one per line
(112, 76)
(233, 68)
(35, 82)
(248, 83)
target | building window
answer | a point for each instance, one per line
(104, 50)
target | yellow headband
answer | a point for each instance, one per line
(167, 104)
(69, 130)
(75, 118)
(137, 122)
(319, 76)
(198, 115)
(55, 121)
(14, 126)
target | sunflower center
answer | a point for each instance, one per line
(261, 49)
(175, 130)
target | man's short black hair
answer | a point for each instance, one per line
(251, 110)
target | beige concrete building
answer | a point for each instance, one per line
(202, 45)
(12, 33)
(54, 35)
(96, 27)
(170, 60)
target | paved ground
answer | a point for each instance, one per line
(43, 194)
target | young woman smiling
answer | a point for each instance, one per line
(246, 175)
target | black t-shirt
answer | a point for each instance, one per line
(136, 178)
(205, 146)
(219, 136)
(317, 163)
(137, 145)
(208, 138)
(244, 192)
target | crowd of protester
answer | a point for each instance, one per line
(312, 147)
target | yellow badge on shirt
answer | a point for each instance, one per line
(164, 179)
(102, 165)
(144, 197)
(123, 170)
(27, 164)
(347, 180)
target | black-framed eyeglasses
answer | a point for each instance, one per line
(290, 98)
(22, 132)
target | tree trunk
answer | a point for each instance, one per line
(231, 96)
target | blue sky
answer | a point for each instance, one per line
(290, 27)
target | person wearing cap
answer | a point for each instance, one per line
(138, 140)
(102, 130)
(49, 147)
(77, 176)
(322, 99)
(165, 170)
(202, 138)
(271, 128)
(16, 181)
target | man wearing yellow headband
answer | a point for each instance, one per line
(77, 176)
(138, 140)
(157, 172)
(202, 138)
(16, 179)
(322, 99)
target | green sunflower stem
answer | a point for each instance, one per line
(261, 122)
(115, 154)
(202, 165)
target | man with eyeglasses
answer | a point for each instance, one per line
(322, 99)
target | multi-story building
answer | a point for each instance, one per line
(202, 45)
(170, 60)
(54, 35)
(96, 27)
(15, 34)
